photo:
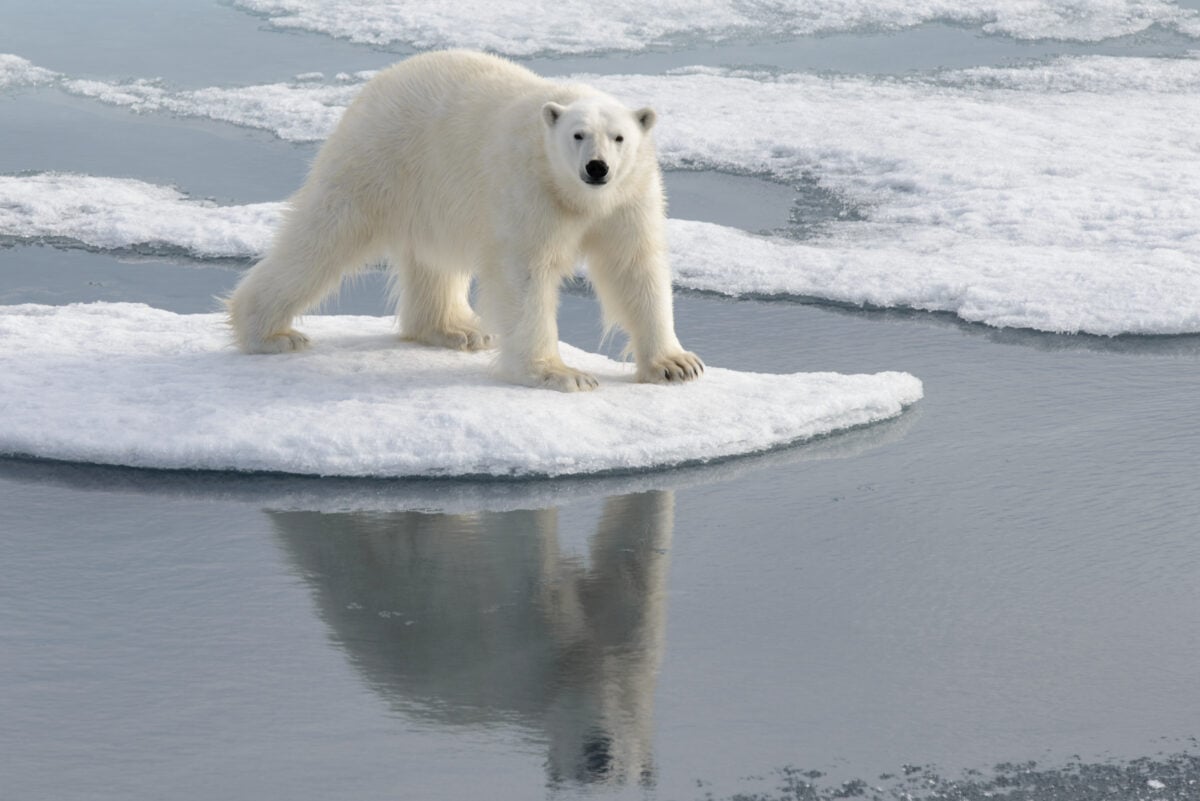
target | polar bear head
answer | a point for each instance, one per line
(595, 139)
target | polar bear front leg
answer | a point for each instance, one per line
(433, 307)
(632, 280)
(524, 304)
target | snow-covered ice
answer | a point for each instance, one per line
(123, 213)
(1062, 196)
(126, 384)
(300, 110)
(282, 492)
(574, 26)
(16, 72)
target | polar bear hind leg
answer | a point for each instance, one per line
(318, 244)
(433, 306)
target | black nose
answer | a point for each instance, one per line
(596, 169)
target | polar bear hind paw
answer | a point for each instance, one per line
(671, 369)
(282, 342)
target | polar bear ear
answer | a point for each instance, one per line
(646, 117)
(551, 112)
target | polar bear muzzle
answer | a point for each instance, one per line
(597, 172)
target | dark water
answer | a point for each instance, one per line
(1007, 574)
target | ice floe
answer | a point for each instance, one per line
(123, 214)
(300, 111)
(1061, 196)
(282, 492)
(17, 72)
(126, 384)
(573, 26)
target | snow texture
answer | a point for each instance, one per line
(125, 384)
(1061, 197)
(574, 26)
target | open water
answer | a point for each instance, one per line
(995, 593)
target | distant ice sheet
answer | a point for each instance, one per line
(16, 71)
(125, 384)
(1061, 197)
(298, 111)
(574, 26)
(1003, 284)
(122, 214)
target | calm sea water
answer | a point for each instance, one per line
(1007, 573)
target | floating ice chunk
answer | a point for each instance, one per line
(1098, 75)
(301, 111)
(554, 27)
(1155, 784)
(992, 281)
(121, 213)
(16, 71)
(130, 385)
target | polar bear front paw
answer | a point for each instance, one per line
(673, 368)
(566, 379)
(282, 342)
(464, 337)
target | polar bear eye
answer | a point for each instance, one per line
(620, 138)
(579, 137)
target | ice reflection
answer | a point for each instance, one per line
(470, 619)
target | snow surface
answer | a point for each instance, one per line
(1062, 196)
(126, 384)
(575, 26)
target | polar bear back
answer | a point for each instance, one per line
(436, 144)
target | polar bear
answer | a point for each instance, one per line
(455, 164)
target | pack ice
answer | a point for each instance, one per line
(1059, 197)
(575, 26)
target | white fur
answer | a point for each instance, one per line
(454, 164)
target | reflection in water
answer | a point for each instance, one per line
(480, 618)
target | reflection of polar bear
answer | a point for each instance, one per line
(456, 163)
(483, 619)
